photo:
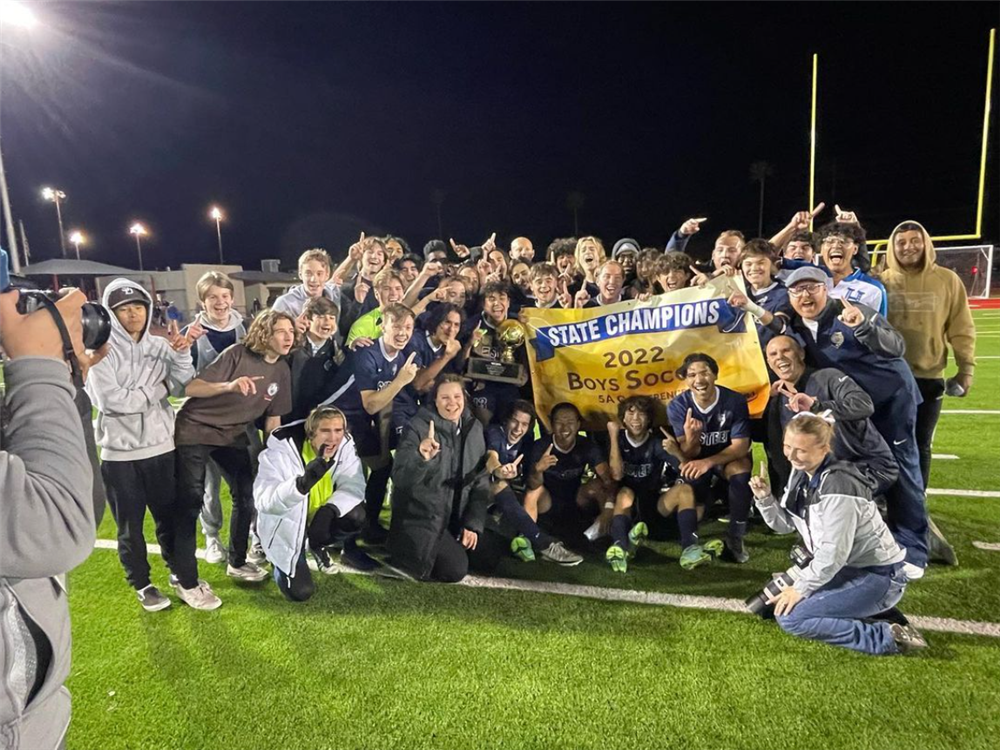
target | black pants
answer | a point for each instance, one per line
(133, 486)
(928, 413)
(453, 561)
(375, 489)
(326, 527)
(234, 463)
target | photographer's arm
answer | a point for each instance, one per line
(47, 513)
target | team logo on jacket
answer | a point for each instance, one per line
(837, 339)
(272, 389)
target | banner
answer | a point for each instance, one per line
(596, 357)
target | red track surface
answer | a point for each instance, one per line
(985, 304)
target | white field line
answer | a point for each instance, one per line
(988, 546)
(656, 598)
(963, 493)
(980, 357)
(970, 411)
(944, 456)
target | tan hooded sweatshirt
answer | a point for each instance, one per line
(928, 305)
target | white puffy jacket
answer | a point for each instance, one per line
(282, 510)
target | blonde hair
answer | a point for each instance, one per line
(316, 253)
(321, 414)
(811, 424)
(262, 329)
(601, 254)
(210, 279)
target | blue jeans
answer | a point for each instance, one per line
(833, 613)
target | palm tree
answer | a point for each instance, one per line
(759, 172)
(574, 202)
(437, 198)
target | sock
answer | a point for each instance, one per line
(740, 498)
(687, 521)
(514, 512)
(620, 526)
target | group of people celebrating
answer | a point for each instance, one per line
(360, 377)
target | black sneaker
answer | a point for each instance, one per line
(374, 535)
(354, 558)
(735, 551)
(907, 638)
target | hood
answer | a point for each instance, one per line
(234, 322)
(930, 254)
(118, 333)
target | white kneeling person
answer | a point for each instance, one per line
(846, 594)
(310, 491)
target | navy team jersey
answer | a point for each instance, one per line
(643, 463)
(724, 421)
(563, 479)
(426, 353)
(496, 440)
(373, 371)
(775, 300)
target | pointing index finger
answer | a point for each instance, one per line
(409, 360)
(430, 430)
(517, 460)
(818, 209)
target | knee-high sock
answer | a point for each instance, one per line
(687, 521)
(620, 526)
(740, 498)
(515, 513)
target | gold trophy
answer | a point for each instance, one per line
(497, 360)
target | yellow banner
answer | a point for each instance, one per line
(596, 357)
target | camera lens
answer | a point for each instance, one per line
(96, 325)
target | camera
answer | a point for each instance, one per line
(95, 319)
(757, 604)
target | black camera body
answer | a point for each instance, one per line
(757, 604)
(95, 319)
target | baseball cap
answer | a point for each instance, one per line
(807, 273)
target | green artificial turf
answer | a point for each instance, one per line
(373, 663)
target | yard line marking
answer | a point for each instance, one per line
(988, 546)
(970, 411)
(978, 357)
(964, 493)
(655, 598)
(945, 456)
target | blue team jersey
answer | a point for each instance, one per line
(373, 371)
(564, 478)
(725, 420)
(775, 300)
(643, 463)
(496, 440)
(426, 353)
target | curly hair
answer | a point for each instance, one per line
(262, 329)
(645, 404)
(853, 232)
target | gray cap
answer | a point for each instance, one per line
(807, 273)
(625, 245)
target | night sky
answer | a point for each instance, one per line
(308, 122)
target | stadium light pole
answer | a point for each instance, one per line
(138, 231)
(216, 214)
(57, 197)
(77, 238)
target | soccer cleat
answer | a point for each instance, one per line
(617, 558)
(215, 553)
(521, 548)
(323, 560)
(714, 547)
(558, 554)
(907, 638)
(357, 559)
(940, 550)
(256, 554)
(247, 572)
(694, 556)
(637, 535)
(151, 599)
(200, 597)
(735, 551)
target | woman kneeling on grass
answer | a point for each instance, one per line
(309, 491)
(846, 595)
(441, 491)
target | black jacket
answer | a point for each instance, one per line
(425, 492)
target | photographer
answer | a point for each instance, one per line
(46, 516)
(856, 571)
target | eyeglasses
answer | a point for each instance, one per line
(800, 290)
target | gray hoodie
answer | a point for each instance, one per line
(295, 299)
(130, 386)
(46, 530)
(837, 520)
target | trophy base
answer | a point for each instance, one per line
(499, 372)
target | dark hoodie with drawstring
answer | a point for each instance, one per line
(929, 307)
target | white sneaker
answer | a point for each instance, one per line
(247, 572)
(215, 553)
(256, 554)
(912, 572)
(200, 597)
